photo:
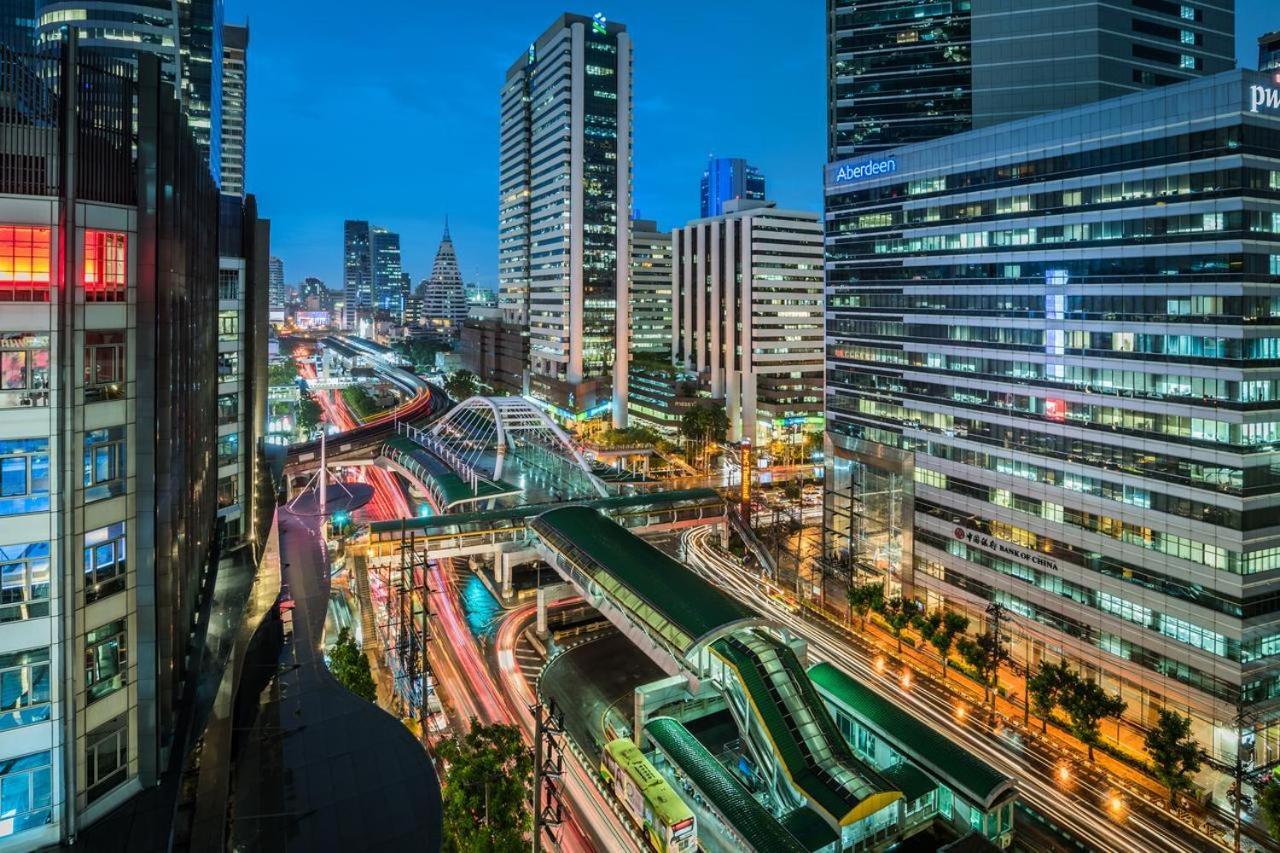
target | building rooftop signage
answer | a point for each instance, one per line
(1265, 97)
(848, 172)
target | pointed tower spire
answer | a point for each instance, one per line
(446, 228)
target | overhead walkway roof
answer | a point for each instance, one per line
(751, 820)
(931, 750)
(673, 603)
(455, 521)
(453, 488)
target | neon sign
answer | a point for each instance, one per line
(866, 169)
(598, 24)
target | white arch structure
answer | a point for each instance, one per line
(480, 424)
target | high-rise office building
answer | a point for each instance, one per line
(728, 178)
(650, 289)
(357, 272)
(564, 184)
(108, 447)
(235, 80)
(746, 311)
(18, 23)
(388, 279)
(1054, 393)
(901, 72)
(186, 35)
(444, 297)
(1269, 51)
(275, 283)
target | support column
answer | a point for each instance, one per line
(550, 595)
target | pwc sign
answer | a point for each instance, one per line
(1264, 98)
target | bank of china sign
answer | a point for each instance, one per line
(1005, 549)
(1264, 98)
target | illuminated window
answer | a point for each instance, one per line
(24, 264)
(104, 266)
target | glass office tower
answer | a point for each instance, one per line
(1054, 383)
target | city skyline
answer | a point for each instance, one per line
(773, 115)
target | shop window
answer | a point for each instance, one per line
(24, 264)
(104, 266)
(24, 370)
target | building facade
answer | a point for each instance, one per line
(186, 37)
(1051, 349)
(1269, 51)
(357, 272)
(444, 297)
(746, 310)
(388, 280)
(276, 290)
(108, 516)
(726, 179)
(564, 183)
(650, 288)
(235, 106)
(495, 352)
(901, 72)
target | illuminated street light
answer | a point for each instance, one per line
(880, 663)
(961, 713)
(905, 680)
(1064, 774)
(1116, 805)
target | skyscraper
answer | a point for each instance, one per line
(388, 279)
(901, 72)
(564, 184)
(728, 178)
(1049, 393)
(357, 272)
(235, 69)
(1269, 51)
(18, 23)
(445, 297)
(650, 288)
(275, 283)
(186, 35)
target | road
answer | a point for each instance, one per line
(1081, 800)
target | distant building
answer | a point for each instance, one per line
(235, 80)
(564, 177)
(357, 272)
(728, 178)
(1269, 51)
(661, 394)
(747, 315)
(312, 287)
(650, 288)
(495, 352)
(388, 279)
(277, 293)
(18, 23)
(444, 297)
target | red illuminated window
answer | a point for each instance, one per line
(1055, 410)
(24, 264)
(104, 266)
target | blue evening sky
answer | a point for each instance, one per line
(393, 116)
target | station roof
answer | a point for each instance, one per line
(437, 523)
(675, 603)
(751, 820)
(454, 489)
(931, 750)
(342, 348)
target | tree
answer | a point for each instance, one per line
(282, 372)
(350, 667)
(703, 424)
(985, 654)
(1175, 754)
(1047, 687)
(898, 613)
(1088, 704)
(488, 789)
(940, 630)
(1269, 807)
(863, 598)
(308, 413)
(460, 385)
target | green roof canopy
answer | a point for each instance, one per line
(761, 829)
(453, 488)
(931, 750)
(674, 602)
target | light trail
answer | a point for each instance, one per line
(1030, 769)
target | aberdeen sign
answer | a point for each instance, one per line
(866, 169)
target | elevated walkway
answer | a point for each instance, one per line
(788, 728)
(449, 489)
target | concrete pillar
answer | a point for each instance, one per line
(549, 595)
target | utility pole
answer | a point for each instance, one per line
(548, 767)
(998, 613)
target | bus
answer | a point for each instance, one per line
(662, 817)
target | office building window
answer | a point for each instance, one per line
(26, 792)
(106, 660)
(228, 284)
(104, 266)
(24, 264)
(228, 325)
(228, 367)
(105, 465)
(24, 370)
(24, 688)
(229, 448)
(228, 491)
(24, 581)
(106, 757)
(228, 408)
(103, 366)
(105, 561)
(24, 475)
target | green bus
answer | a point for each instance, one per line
(664, 819)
